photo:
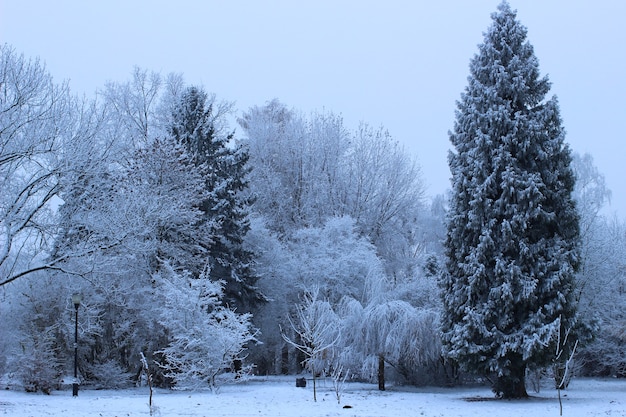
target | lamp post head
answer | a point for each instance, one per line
(76, 299)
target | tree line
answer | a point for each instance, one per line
(296, 242)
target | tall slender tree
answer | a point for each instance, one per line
(196, 124)
(512, 236)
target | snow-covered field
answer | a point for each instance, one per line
(279, 397)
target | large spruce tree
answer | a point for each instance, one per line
(224, 165)
(513, 237)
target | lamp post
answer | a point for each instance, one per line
(76, 299)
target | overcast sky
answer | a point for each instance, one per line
(400, 64)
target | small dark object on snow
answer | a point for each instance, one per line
(301, 382)
(347, 406)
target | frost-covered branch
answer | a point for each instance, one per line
(316, 327)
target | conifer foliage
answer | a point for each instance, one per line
(224, 165)
(512, 240)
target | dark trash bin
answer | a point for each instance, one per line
(301, 382)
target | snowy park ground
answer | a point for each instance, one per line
(278, 396)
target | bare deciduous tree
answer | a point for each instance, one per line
(316, 334)
(41, 125)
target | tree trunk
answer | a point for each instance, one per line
(381, 372)
(512, 385)
(519, 387)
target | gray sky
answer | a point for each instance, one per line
(400, 64)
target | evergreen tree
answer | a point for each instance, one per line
(512, 240)
(224, 163)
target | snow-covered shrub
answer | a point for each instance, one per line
(37, 343)
(37, 365)
(206, 338)
(108, 375)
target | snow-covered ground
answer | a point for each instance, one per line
(279, 397)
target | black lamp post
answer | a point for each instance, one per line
(76, 299)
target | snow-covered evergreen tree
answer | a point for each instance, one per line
(513, 237)
(195, 125)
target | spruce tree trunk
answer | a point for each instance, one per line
(512, 385)
(519, 387)
(381, 373)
